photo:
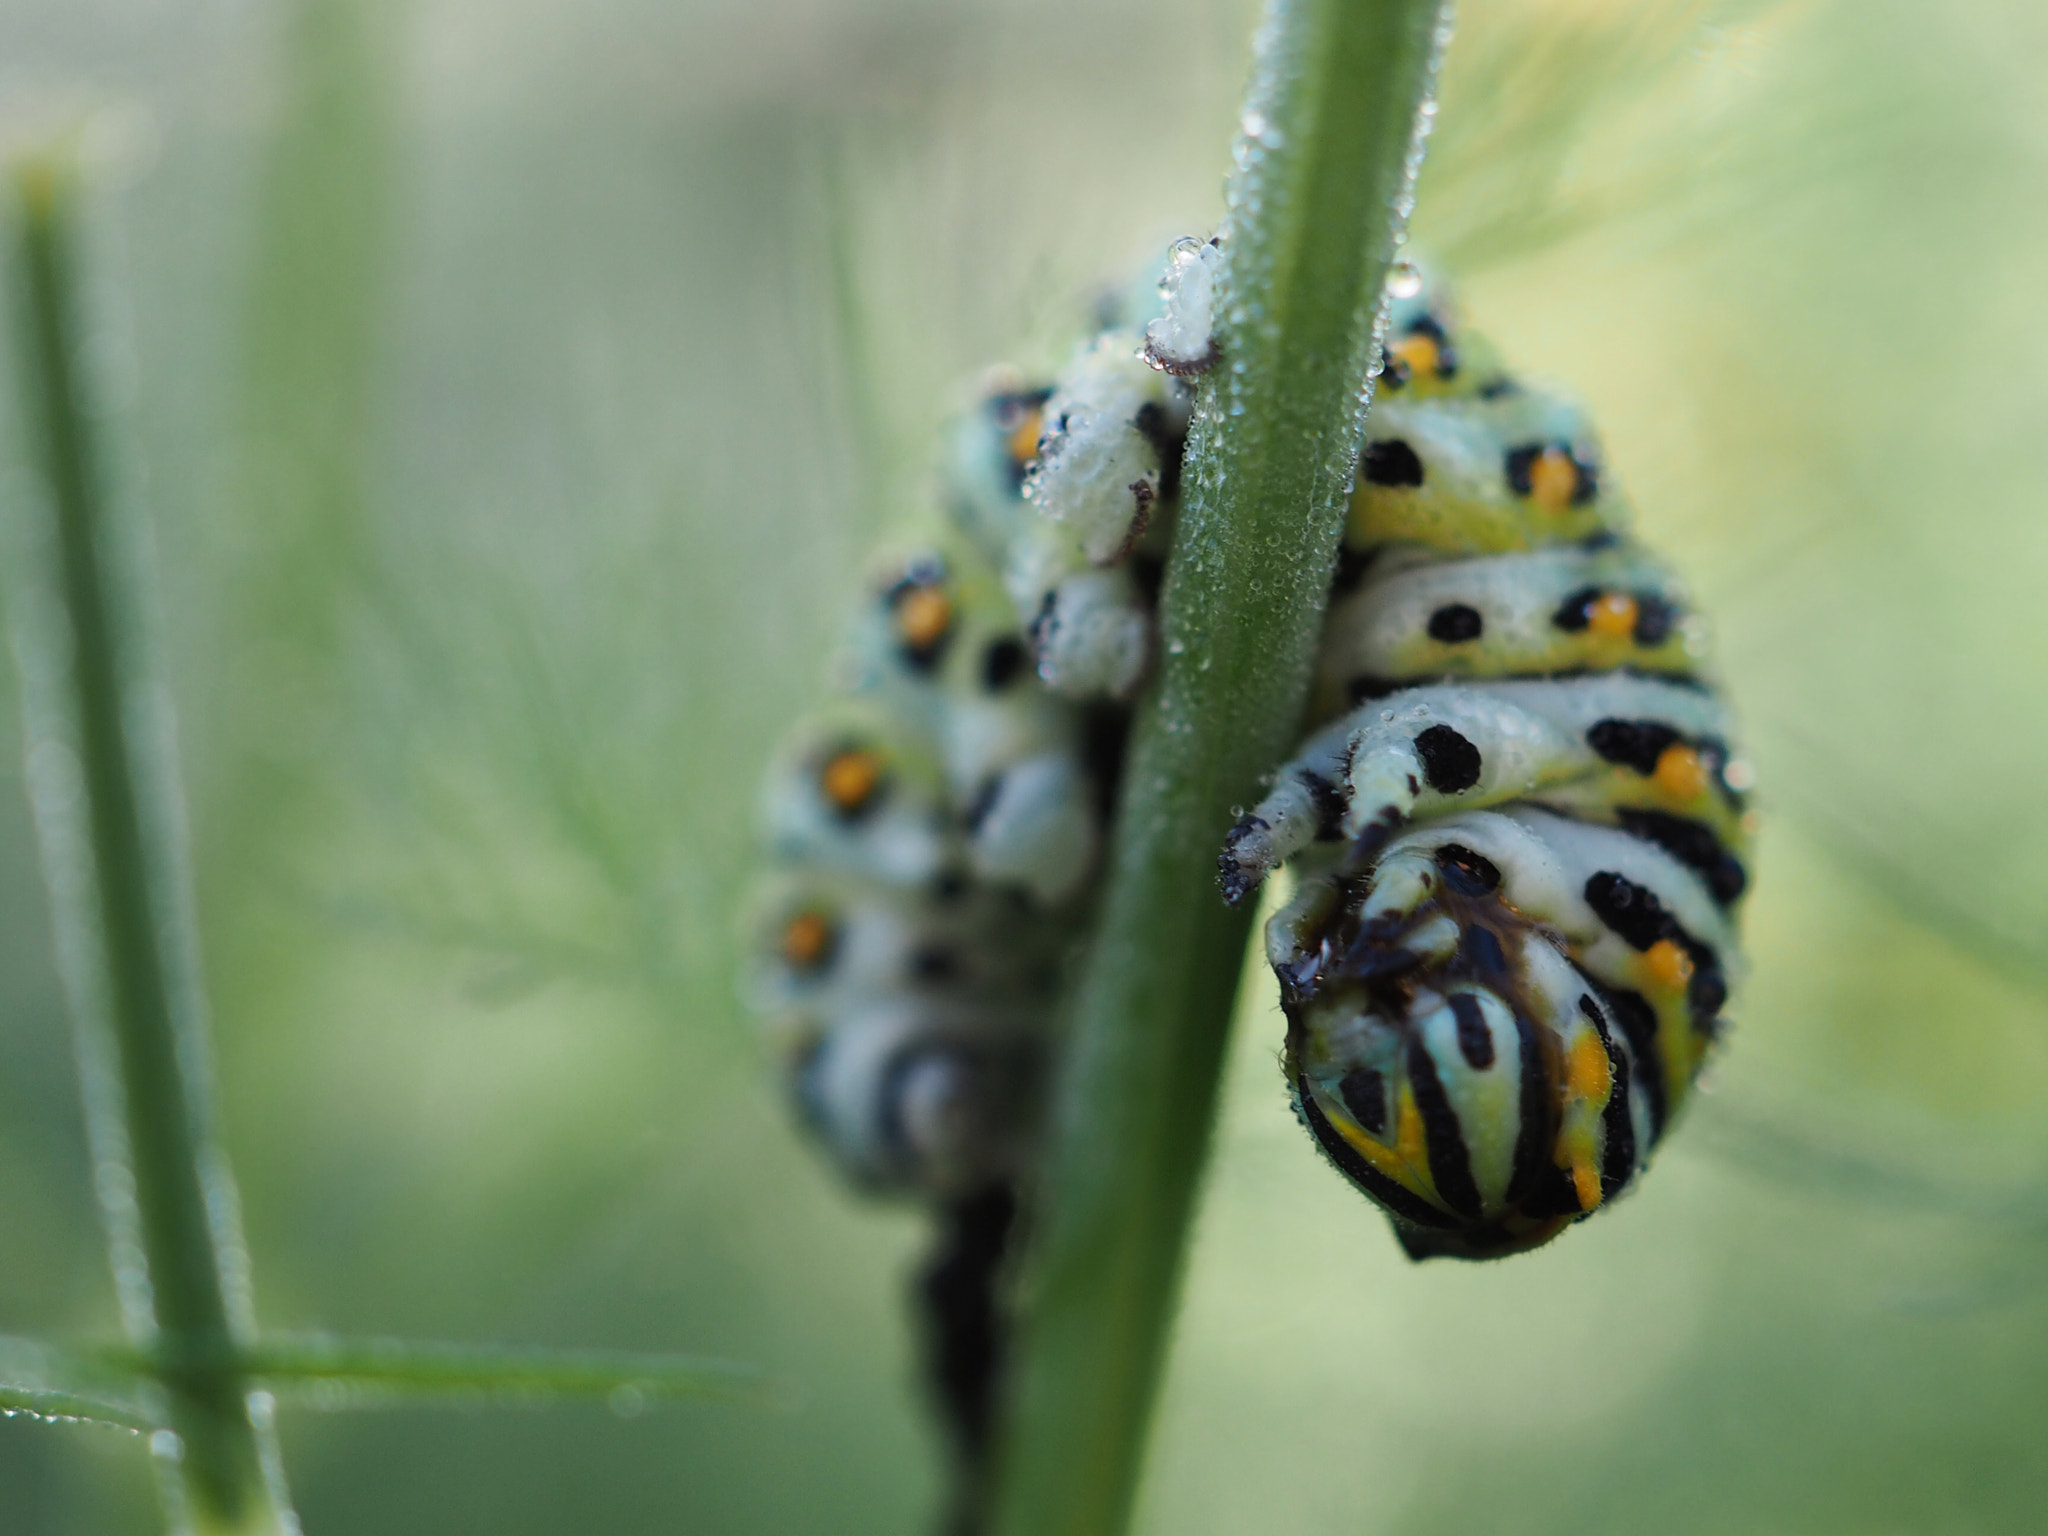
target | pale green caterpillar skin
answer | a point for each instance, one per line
(1518, 822)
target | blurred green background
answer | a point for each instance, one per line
(513, 387)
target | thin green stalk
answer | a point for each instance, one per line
(405, 1369)
(1331, 135)
(116, 894)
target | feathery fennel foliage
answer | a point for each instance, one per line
(100, 768)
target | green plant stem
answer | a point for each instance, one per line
(114, 889)
(1316, 205)
(411, 1369)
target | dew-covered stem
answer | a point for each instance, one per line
(101, 807)
(1332, 130)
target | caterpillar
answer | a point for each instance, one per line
(1517, 828)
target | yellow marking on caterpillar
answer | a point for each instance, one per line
(1681, 773)
(1553, 480)
(923, 615)
(1588, 1073)
(1668, 964)
(1588, 1081)
(849, 779)
(1408, 1137)
(1406, 1162)
(1612, 616)
(1586, 1184)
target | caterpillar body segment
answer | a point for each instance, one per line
(1436, 749)
(1541, 613)
(1506, 467)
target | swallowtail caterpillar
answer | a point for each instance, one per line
(1517, 826)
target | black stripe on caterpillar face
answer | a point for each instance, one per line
(1654, 619)
(1352, 565)
(1450, 1160)
(1475, 1040)
(1618, 1153)
(1638, 1021)
(1364, 1093)
(1533, 1165)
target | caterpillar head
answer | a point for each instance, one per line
(1448, 1055)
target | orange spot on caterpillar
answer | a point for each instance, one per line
(849, 779)
(806, 939)
(1669, 965)
(923, 615)
(1553, 480)
(1681, 774)
(1612, 616)
(1023, 439)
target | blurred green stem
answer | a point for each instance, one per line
(1332, 129)
(114, 896)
